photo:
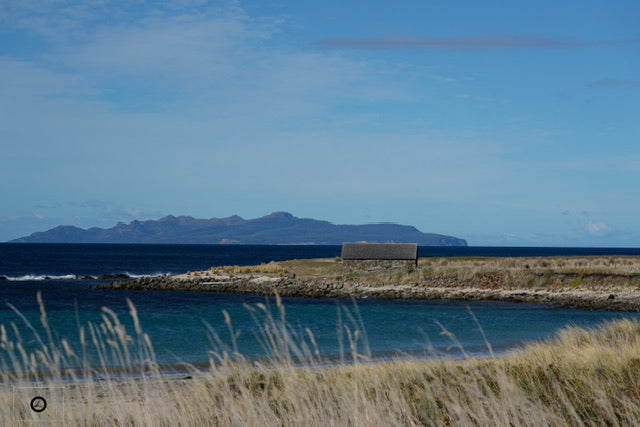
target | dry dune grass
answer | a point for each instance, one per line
(590, 264)
(580, 377)
(324, 267)
(547, 272)
(589, 272)
(268, 268)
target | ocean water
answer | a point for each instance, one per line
(180, 323)
(23, 261)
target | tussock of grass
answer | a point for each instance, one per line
(268, 268)
(325, 267)
(509, 273)
(580, 377)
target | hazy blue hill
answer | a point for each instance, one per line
(275, 228)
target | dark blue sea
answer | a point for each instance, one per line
(180, 324)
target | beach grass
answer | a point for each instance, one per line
(584, 272)
(269, 268)
(579, 377)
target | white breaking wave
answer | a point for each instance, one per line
(137, 276)
(42, 277)
(37, 277)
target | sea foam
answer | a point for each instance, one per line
(30, 277)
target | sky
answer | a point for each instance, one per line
(504, 123)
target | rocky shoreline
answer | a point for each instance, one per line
(437, 288)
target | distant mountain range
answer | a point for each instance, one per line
(276, 228)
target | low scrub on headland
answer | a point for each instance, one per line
(589, 272)
(269, 268)
(579, 377)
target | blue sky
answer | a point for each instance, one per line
(504, 123)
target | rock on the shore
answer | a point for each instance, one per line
(114, 276)
(340, 288)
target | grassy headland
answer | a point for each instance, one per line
(596, 282)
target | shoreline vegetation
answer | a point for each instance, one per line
(578, 377)
(589, 282)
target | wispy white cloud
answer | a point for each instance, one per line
(464, 43)
(69, 20)
(189, 59)
(597, 228)
(614, 83)
(31, 79)
(169, 48)
(588, 164)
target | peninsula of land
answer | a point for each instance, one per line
(594, 282)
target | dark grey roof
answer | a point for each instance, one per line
(408, 251)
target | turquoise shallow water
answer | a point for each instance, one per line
(177, 322)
